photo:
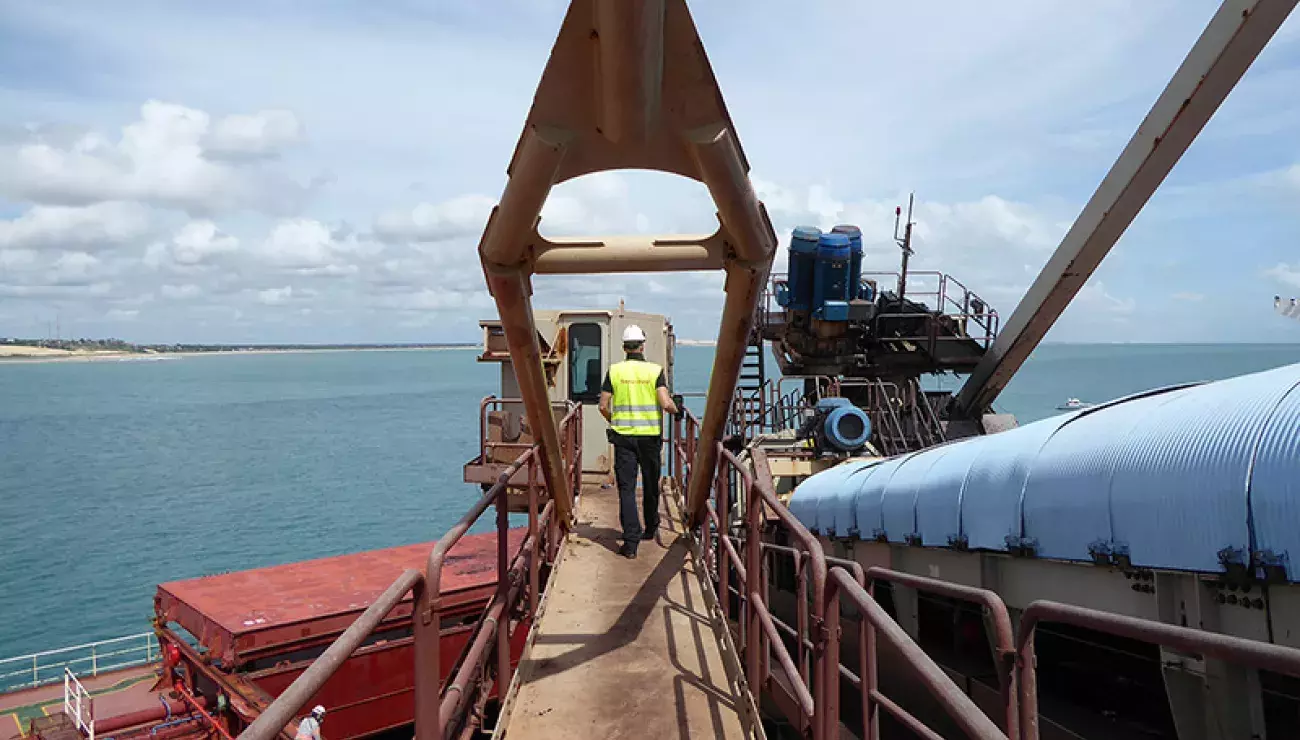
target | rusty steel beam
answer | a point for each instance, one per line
(513, 293)
(627, 86)
(1230, 43)
(744, 288)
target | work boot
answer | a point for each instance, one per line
(628, 550)
(649, 533)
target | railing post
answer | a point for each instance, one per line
(503, 589)
(534, 565)
(36, 672)
(724, 560)
(801, 616)
(94, 661)
(765, 644)
(753, 567)
(428, 667)
(830, 674)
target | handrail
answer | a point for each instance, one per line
(1251, 653)
(782, 655)
(432, 719)
(994, 609)
(492, 402)
(34, 667)
(813, 692)
(75, 697)
(957, 704)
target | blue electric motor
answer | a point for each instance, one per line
(839, 426)
(803, 253)
(831, 279)
(855, 257)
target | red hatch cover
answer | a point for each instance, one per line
(253, 613)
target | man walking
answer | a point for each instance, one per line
(309, 727)
(633, 399)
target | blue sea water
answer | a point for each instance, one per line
(116, 476)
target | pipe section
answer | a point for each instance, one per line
(630, 35)
(722, 169)
(535, 167)
(744, 288)
(630, 254)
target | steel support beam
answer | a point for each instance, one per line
(627, 86)
(1230, 43)
(631, 254)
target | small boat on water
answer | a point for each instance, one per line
(1071, 404)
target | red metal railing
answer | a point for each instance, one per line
(806, 686)
(807, 689)
(439, 710)
(516, 405)
(996, 617)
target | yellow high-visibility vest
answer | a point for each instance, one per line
(635, 407)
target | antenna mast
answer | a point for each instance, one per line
(904, 243)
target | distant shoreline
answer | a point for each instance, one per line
(15, 355)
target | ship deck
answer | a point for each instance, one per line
(114, 692)
(620, 636)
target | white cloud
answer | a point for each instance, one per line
(180, 292)
(1094, 297)
(1189, 297)
(62, 227)
(17, 259)
(1002, 138)
(74, 268)
(161, 158)
(275, 296)
(310, 247)
(435, 222)
(199, 241)
(1285, 274)
(262, 134)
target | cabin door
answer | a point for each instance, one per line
(588, 360)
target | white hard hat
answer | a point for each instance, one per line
(318, 710)
(633, 334)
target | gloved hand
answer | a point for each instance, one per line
(680, 403)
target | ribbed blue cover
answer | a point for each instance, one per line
(1275, 487)
(1188, 477)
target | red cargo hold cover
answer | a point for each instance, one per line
(239, 616)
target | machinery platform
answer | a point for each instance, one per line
(619, 636)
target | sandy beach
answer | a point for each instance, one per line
(23, 354)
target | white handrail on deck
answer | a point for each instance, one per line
(92, 658)
(78, 705)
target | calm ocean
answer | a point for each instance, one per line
(115, 476)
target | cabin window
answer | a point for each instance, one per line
(585, 375)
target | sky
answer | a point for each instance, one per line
(292, 171)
